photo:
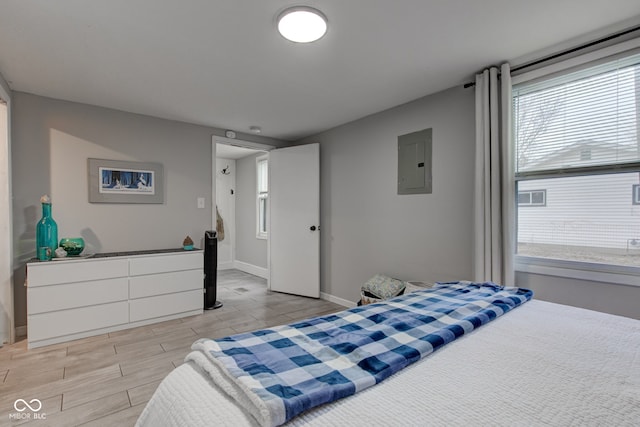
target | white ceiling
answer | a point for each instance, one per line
(232, 152)
(221, 63)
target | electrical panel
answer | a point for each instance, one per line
(414, 162)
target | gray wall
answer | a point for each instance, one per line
(51, 141)
(249, 248)
(606, 297)
(366, 227)
(4, 85)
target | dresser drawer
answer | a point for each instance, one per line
(166, 283)
(54, 272)
(66, 322)
(163, 305)
(166, 263)
(43, 299)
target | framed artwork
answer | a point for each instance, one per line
(118, 181)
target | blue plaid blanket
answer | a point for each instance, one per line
(280, 372)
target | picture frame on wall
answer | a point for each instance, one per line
(120, 181)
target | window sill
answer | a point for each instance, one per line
(621, 275)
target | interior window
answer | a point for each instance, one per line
(262, 173)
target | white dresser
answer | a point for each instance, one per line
(71, 299)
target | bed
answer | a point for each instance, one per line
(538, 364)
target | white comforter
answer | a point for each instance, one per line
(541, 364)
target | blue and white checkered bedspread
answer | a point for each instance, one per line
(280, 372)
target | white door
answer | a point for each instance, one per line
(294, 216)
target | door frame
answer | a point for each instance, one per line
(7, 239)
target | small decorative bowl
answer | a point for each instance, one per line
(72, 245)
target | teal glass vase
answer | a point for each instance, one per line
(46, 234)
(73, 246)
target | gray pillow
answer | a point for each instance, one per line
(383, 287)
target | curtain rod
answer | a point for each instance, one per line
(568, 51)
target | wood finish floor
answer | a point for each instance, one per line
(106, 380)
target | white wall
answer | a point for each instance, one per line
(227, 209)
(250, 250)
(366, 228)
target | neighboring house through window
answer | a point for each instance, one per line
(576, 136)
(262, 174)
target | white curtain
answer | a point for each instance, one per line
(494, 202)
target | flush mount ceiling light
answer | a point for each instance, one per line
(302, 24)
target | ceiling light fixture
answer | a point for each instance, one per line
(302, 24)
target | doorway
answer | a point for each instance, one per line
(277, 234)
(235, 210)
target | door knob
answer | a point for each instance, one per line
(312, 228)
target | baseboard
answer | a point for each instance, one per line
(252, 269)
(227, 265)
(337, 300)
(21, 331)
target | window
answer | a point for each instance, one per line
(576, 136)
(532, 198)
(262, 185)
(585, 154)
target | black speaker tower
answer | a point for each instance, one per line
(211, 270)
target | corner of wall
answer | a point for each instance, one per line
(5, 90)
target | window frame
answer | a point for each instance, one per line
(262, 197)
(531, 203)
(581, 270)
(635, 195)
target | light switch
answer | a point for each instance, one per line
(200, 202)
